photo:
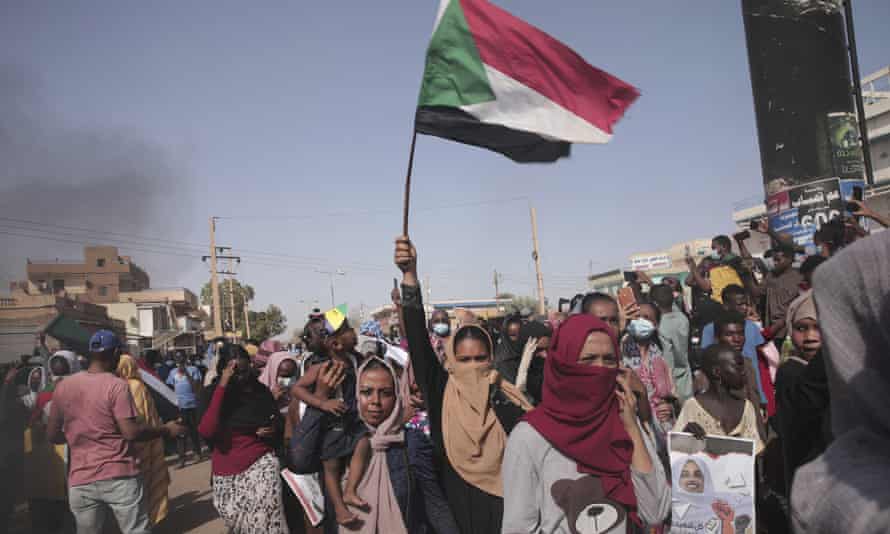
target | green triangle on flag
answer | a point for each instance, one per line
(495, 81)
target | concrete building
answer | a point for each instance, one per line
(657, 264)
(99, 278)
(161, 319)
(31, 319)
(486, 308)
(876, 97)
(608, 282)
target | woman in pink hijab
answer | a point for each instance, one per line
(260, 356)
(279, 375)
(399, 485)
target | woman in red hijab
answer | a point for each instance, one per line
(581, 461)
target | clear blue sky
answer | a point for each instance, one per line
(304, 110)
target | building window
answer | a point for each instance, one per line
(103, 291)
(100, 262)
(58, 285)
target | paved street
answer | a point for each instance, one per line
(191, 504)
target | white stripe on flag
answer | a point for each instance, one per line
(155, 384)
(520, 107)
(443, 5)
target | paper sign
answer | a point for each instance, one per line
(712, 484)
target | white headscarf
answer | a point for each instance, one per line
(70, 357)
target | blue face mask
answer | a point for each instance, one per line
(715, 255)
(442, 329)
(641, 329)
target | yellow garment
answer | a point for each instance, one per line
(693, 412)
(473, 435)
(721, 277)
(45, 466)
(149, 454)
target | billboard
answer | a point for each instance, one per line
(648, 262)
(800, 79)
(712, 484)
(800, 211)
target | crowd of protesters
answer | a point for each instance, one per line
(553, 424)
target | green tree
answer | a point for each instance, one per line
(519, 303)
(241, 294)
(268, 323)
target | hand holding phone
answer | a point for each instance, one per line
(626, 297)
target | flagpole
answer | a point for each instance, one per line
(408, 184)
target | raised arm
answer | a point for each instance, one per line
(865, 211)
(428, 372)
(783, 239)
(697, 279)
(210, 422)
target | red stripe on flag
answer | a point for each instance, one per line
(537, 60)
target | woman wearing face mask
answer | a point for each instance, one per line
(642, 349)
(242, 421)
(471, 409)
(440, 329)
(581, 461)
(279, 375)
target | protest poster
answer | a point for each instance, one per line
(800, 211)
(712, 484)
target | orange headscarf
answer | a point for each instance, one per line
(473, 435)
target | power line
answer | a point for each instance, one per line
(185, 246)
(350, 213)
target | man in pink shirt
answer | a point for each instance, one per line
(93, 413)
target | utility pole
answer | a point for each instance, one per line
(541, 307)
(497, 290)
(246, 314)
(214, 282)
(857, 94)
(338, 272)
(232, 295)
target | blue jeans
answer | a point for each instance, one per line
(90, 503)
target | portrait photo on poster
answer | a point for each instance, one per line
(712, 482)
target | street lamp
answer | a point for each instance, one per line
(338, 272)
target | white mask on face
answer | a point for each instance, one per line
(286, 381)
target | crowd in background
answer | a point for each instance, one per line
(553, 423)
